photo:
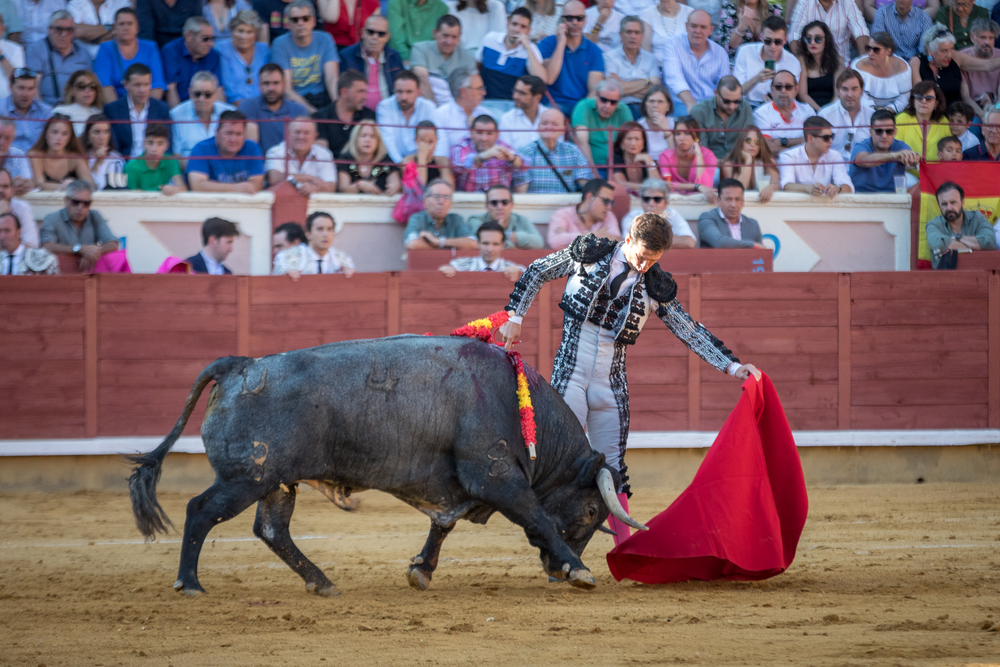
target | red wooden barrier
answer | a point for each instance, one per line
(697, 260)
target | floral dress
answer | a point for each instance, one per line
(728, 20)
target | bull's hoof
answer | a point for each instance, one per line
(418, 578)
(327, 591)
(342, 499)
(582, 578)
(190, 591)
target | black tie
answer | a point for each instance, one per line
(319, 266)
(10, 265)
(487, 269)
(616, 284)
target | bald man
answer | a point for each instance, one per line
(555, 164)
(573, 65)
(310, 166)
(693, 65)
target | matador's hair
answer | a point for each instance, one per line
(653, 231)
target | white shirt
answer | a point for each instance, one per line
(678, 224)
(83, 13)
(318, 163)
(29, 228)
(35, 17)
(968, 140)
(610, 37)
(794, 167)
(138, 119)
(645, 67)
(774, 126)
(664, 27)
(515, 119)
(14, 53)
(847, 132)
(305, 260)
(451, 115)
(749, 63)
(401, 141)
(475, 25)
(735, 228)
(477, 263)
(8, 269)
(78, 114)
(214, 268)
(656, 142)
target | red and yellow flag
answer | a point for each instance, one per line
(980, 180)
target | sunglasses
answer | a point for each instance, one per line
(605, 100)
(63, 31)
(769, 41)
(784, 86)
(873, 49)
(375, 33)
(607, 202)
(197, 94)
(499, 202)
(570, 18)
(730, 103)
(882, 131)
(24, 73)
(814, 39)
(85, 86)
(80, 202)
(925, 98)
(652, 200)
(441, 197)
(825, 137)
(299, 19)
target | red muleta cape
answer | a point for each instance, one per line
(741, 517)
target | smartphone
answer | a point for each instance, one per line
(769, 64)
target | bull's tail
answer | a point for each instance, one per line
(149, 516)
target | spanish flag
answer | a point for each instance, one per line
(981, 182)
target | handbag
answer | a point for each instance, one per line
(412, 199)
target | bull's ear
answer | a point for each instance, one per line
(589, 466)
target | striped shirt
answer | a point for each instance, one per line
(844, 19)
(905, 32)
(566, 157)
(683, 70)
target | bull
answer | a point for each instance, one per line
(432, 421)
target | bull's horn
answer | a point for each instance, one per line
(607, 487)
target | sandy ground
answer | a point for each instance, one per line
(885, 575)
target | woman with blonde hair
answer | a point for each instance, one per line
(358, 169)
(752, 164)
(57, 158)
(689, 167)
(81, 99)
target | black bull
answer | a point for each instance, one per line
(432, 421)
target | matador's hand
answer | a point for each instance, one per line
(509, 333)
(746, 370)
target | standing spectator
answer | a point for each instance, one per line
(888, 79)
(655, 196)
(380, 64)
(206, 174)
(517, 230)
(343, 19)
(302, 161)
(594, 116)
(452, 117)
(11, 58)
(478, 19)
(270, 107)
(102, 158)
(960, 116)
(202, 108)
(57, 57)
(925, 111)
(272, 13)
(363, 173)
(186, 56)
(591, 216)
(505, 57)
(989, 149)
(573, 65)
(22, 107)
(958, 16)
(877, 161)
(411, 22)
(14, 161)
(429, 166)
(743, 22)
(636, 70)
(781, 120)
(956, 229)
(287, 235)
(81, 99)
(317, 256)
(519, 126)
(632, 163)
(163, 22)
(752, 164)
(603, 25)
(756, 64)
(35, 15)
(725, 114)
(241, 57)
(726, 226)
(436, 227)
(19, 208)
(77, 230)
(664, 20)
(220, 14)
(983, 86)
(949, 149)
(655, 117)
(352, 92)
(440, 62)
(843, 17)
(308, 58)
(689, 166)
(813, 168)
(56, 158)
(693, 65)
(545, 18)
(217, 239)
(94, 20)
(821, 63)
(904, 25)
(556, 163)
(490, 242)
(938, 64)
(138, 107)
(154, 171)
(114, 59)
(481, 160)
(406, 109)
(849, 115)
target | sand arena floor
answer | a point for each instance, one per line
(885, 575)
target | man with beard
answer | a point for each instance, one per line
(849, 116)
(504, 57)
(878, 160)
(397, 116)
(957, 230)
(781, 121)
(349, 109)
(526, 114)
(271, 105)
(983, 86)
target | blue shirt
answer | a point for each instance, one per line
(305, 63)
(273, 133)
(110, 66)
(571, 85)
(228, 170)
(54, 68)
(26, 132)
(179, 66)
(879, 178)
(239, 79)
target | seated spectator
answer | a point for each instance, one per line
(983, 86)
(545, 18)
(518, 231)
(57, 57)
(960, 116)
(742, 22)
(287, 235)
(655, 196)
(114, 59)
(380, 64)
(13, 55)
(937, 63)
(20, 208)
(689, 166)
(12, 159)
(752, 164)
(555, 163)
(636, 70)
(220, 13)
(404, 110)
(813, 168)
(822, 65)
(78, 230)
(81, 100)
(956, 230)
(439, 63)
(367, 173)
(137, 107)
(412, 21)
(56, 158)
(217, 239)
(573, 65)
(880, 159)
(429, 166)
(490, 243)
(312, 81)
(154, 171)
(317, 255)
(632, 162)
(507, 56)
(958, 15)
(436, 227)
(664, 20)
(603, 25)
(450, 117)
(989, 149)
(949, 149)
(482, 160)
(926, 106)
(903, 23)
(203, 108)
(591, 216)
(845, 20)
(726, 226)
(352, 92)
(241, 56)
(725, 114)
(34, 15)
(781, 120)
(302, 161)
(478, 18)
(105, 163)
(270, 106)
(849, 114)
(593, 116)
(24, 109)
(205, 174)
(186, 56)
(655, 113)
(870, 8)
(693, 64)
(344, 25)
(519, 126)
(94, 20)
(887, 78)
(163, 23)
(756, 64)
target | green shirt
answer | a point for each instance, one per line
(974, 223)
(141, 177)
(528, 237)
(410, 22)
(953, 22)
(585, 115)
(720, 143)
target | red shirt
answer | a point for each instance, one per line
(346, 32)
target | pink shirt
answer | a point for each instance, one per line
(668, 167)
(564, 226)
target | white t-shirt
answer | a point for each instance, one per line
(318, 163)
(678, 224)
(610, 37)
(773, 125)
(14, 53)
(749, 63)
(794, 167)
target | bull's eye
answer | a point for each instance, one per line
(591, 512)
